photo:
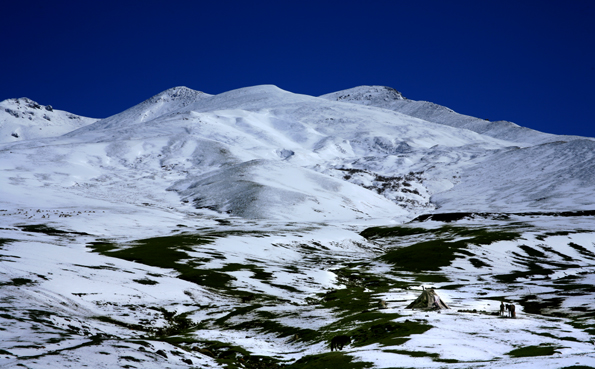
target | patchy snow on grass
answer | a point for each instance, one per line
(205, 231)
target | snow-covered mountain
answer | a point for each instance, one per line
(242, 230)
(250, 151)
(389, 98)
(24, 119)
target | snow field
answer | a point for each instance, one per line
(276, 187)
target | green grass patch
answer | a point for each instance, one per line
(130, 358)
(50, 231)
(243, 310)
(386, 333)
(357, 311)
(535, 306)
(413, 353)
(134, 327)
(347, 301)
(18, 282)
(4, 241)
(542, 237)
(478, 263)
(361, 319)
(169, 252)
(534, 269)
(361, 285)
(386, 232)
(532, 252)
(102, 246)
(97, 267)
(146, 281)
(178, 324)
(557, 337)
(582, 250)
(553, 251)
(533, 351)
(327, 361)
(437, 253)
(173, 252)
(433, 356)
(429, 255)
(350, 276)
(158, 251)
(227, 355)
(271, 326)
(479, 236)
(239, 232)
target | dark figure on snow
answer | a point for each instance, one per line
(338, 342)
(511, 310)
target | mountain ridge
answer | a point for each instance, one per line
(181, 135)
(254, 227)
(25, 119)
(384, 97)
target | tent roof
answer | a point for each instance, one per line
(428, 299)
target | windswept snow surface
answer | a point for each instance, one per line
(388, 98)
(180, 138)
(194, 229)
(544, 176)
(24, 119)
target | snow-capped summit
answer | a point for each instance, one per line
(211, 216)
(262, 152)
(251, 98)
(387, 98)
(25, 119)
(161, 104)
(366, 95)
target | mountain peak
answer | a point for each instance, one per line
(25, 103)
(23, 119)
(177, 93)
(366, 95)
(158, 105)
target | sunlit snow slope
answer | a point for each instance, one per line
(252, 228)
(389, 98)
(261, 152)
(24, 119)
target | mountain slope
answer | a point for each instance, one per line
(546, 177)
(220, 153)
(159, 105)
(388, 98)
(24, 119)
(278, 190)
(252, 228)
(179, 137)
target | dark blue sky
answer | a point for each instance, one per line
(530, 62)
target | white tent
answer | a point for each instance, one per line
(428, 299)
